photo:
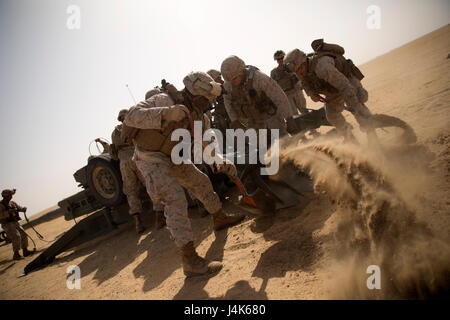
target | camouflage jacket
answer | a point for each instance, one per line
(123, 151)
(325, 78)
(238, 100)
(5, 217)
(287, 81)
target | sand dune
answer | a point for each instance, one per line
(316, 250)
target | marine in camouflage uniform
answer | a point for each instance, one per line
(221, 121)
(9, 220)
(153, 121)
(131, 176)
(328, 73)
(253, 99)
(290, 84)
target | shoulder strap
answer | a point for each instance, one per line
(251, 75)
(315, 58)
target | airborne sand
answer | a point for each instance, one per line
(305, 252)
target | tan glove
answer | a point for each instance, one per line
(227, 167)
(317, 97)
(175, 113)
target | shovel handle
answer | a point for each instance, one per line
(247, 199)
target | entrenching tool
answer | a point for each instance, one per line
(283, 189)
(247, 199)
(257, 202)
(271, 193)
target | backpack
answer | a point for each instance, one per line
(346, 66)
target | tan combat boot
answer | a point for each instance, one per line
(160, 220)
(222, 221)
(26, 252)
(194, 265)
(139, 226)
(17, 255)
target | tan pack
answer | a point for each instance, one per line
(346, 66)
(320, 46)
(127, 133)
(159, 140)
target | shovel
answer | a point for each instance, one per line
(258, 202)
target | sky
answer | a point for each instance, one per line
(63, 75)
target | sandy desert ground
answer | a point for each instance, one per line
(318, 250)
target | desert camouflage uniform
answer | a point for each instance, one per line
(292, 88)
(131, 176)
(164, 179)
(343, 91)
(221, 119)
(13, 229)
(237, 103)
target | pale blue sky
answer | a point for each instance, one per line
(61, 88)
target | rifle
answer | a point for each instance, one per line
(14, 216)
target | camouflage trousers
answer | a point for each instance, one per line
(166, 181)
(297, 100)
(16, 234)
(132, 180)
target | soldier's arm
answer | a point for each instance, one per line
(143, 117)
(326, 70)
(115, 136)
(17, 207)
(273, 74)
(3, 212)
(309, 92)
(206, 126)
(263, 83)
(115, 139)
(227, 101)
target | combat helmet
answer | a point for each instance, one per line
(294, 59)
(201, 84)
(232, 67)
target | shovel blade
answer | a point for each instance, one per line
(258, 203)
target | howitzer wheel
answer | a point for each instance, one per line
(380, 121)
(3, 237)
(105, 182)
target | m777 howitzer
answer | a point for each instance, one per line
(101, 205)
(99, 208)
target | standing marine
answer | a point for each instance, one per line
(9, 217)
(290, 84)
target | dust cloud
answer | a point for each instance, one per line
(382, 196)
